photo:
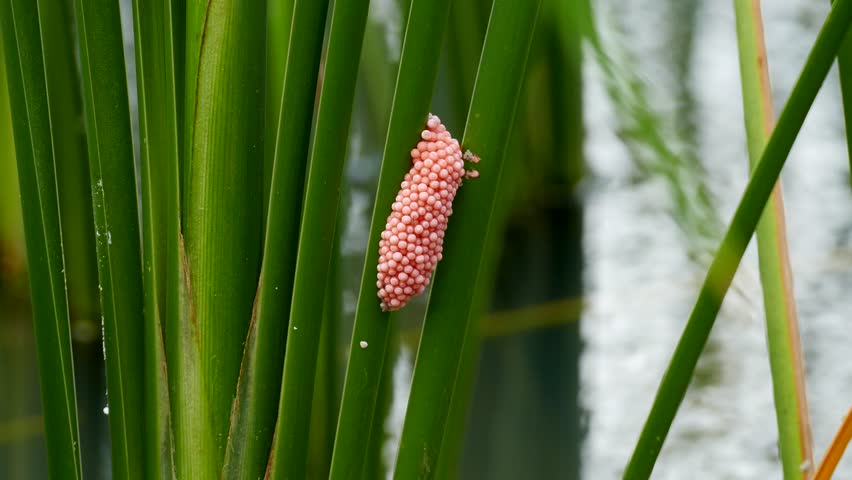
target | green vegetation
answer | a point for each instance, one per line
(242, 334)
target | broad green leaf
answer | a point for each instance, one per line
(223, 164)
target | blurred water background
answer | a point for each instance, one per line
(597, 273)
(641, 280)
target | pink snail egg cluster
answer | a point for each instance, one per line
(413, 239)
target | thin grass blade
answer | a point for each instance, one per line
(72, 166)
(179, 53)
(32, 124)
(375, 465)
(316, 237)
(844, 68)
(113, 184)
(465, 37)
(278, 23)
(451, 307)
(326, 400)
(782, 327)
(453, 442)
(463, 48)
(254, 411)
(418, 68)
(378, 71)
(764, 176)
(160, 165)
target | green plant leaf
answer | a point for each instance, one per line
(764, 176)
(257, 403)
(418, 68)
(193, 447)
(463, 49)
(222, 207)
(782, 329)
(278, 23)
(326, 400)
(316, 237)
(374, 461)
(113, 184)
(159, 126)
(11, 222)
(379, 66)
(32, 123)
(451, 307)
(72, 166)
(468, 21)
(503, 322)
(844, 68)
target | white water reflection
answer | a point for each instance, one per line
(641, 284)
